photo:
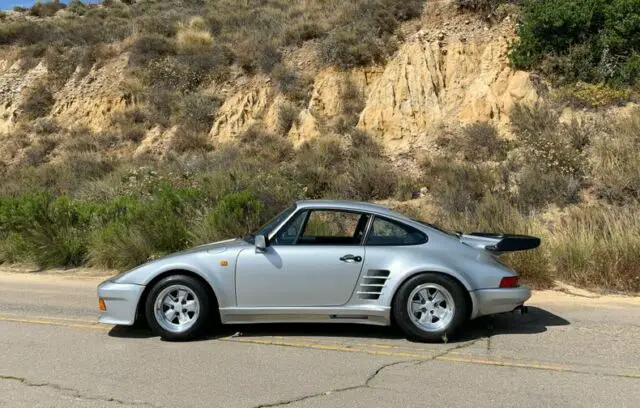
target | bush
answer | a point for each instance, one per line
(352, 46)
(457, 187)
(553, 156)
(197, 111)
(53, 230)
(369, 178)
(185, 140)
(151, 226)
(593, 95)
(300, 32)
(46, 9)
(352, 103)
(587, 40)
(236, 215)
(149, 47)
(287, 116)
(316, 165)
(478, 142)
(292, 85)
(37, 103)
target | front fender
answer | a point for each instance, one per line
(210, 267)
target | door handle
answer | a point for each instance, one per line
(351, 258)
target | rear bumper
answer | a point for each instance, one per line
(121, 300)
(492, 301)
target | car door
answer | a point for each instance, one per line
(314, 260)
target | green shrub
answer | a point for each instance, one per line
(53, 229)
(587, 40)
(593, 95)
(151, 226)
(237, 214)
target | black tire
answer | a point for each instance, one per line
(200, 323)
(402, 316)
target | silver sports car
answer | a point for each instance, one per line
(325, 261)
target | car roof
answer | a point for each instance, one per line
(348, 205)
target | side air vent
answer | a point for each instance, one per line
(372, 283)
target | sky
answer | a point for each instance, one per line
(8, 4)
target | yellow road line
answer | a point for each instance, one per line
(61, 323)
(445, 357)
(448, 356)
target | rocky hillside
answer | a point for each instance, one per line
(449, 70)
(132, 129)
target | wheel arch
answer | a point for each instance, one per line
(456, 279)
(215, 305)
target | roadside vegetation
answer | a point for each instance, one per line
(71, 197)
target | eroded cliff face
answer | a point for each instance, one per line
(429, 85)
(454, 74)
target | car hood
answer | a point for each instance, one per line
(213, 247)
(139, 273)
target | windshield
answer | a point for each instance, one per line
(268, 227)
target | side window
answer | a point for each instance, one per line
(326, 227)
(288, 234)
(387, 232)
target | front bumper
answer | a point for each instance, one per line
(492, 301)
(121, 300)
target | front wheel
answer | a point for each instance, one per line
(430, 307)
(177, 308)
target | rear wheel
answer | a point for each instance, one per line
(177, 308)
(430, 307)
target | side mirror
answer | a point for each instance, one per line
(260, 243)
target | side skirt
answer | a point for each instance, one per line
(379, 316)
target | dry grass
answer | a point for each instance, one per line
(598, 247)
(616, 160)
(193, 37)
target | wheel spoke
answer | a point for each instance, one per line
(167, 301)
(170, 314)
(183, 318)
(182, 295)
(438, 298)
(191, 306)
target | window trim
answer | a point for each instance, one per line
(308, 211)
(392, 221)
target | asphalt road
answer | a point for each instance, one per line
(568, 351)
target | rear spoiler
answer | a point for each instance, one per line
(499, 243)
